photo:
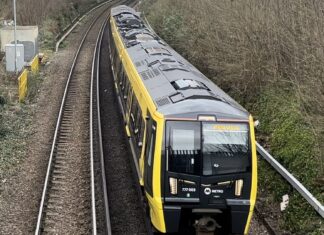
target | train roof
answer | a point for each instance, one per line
(175, 85)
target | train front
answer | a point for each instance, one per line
(210, 175)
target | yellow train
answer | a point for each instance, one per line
(193, 145)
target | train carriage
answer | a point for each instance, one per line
(193, 145)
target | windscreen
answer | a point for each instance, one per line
(207, 148)
(184, 147)
(225, 148)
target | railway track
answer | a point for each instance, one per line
(69, 202)
(76, 192)
(263, 220)
(125, 204)
(96, 149)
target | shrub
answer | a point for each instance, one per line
(268, 55)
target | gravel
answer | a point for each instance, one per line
(125, 207)
(21, 190)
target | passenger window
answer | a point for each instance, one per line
(129, 98)
(140, 134)
(138, 122)
(133, 111)
(119, 75)
(122, 82)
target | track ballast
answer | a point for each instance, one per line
(66, 206)
(126, 208)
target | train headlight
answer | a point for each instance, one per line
(173, 186)
(238, 187)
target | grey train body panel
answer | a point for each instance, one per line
(176, 86)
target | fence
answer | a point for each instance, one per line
(22, 85)
(34, 64)
(23, 78)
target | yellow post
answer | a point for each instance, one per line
(34, 64)
(22, 85)
(23, 78)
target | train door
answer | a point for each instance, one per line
(149, 155)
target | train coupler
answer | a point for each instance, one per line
(206, 226)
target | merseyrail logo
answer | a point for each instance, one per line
(226, 128)
(207, 191)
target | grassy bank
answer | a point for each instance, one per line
(15, 124)
(268, 55)
(53, 24)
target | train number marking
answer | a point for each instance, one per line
(188, 189)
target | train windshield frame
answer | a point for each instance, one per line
(207, 148)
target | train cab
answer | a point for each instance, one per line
(193, 146)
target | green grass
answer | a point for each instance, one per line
(15, 125)
(291, 141)
(291, 138)
(33, 84)
(54, 24)
(48, 33)
(15, 122)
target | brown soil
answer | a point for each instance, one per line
(257, 228)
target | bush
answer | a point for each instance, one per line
(48, 34)
(267, 54)
(292, 142)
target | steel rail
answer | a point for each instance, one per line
(93, 197)
(261, 218)
(96, 74)
(103, 173)
(291, 179)
(147, 219)
(95, 79)
(50, 164)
